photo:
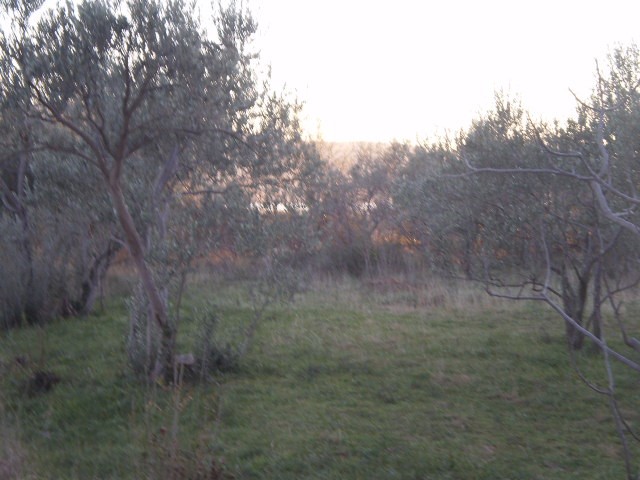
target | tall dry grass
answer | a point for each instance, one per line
(405, 292)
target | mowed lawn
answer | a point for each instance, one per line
(344, 383)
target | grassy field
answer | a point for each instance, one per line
(349, 382)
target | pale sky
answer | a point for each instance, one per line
(372, 70)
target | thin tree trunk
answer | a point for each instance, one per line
(13, 197)
(596, 314)
(159, 309)
(92, 284)
(574, 301)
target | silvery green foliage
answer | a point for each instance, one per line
(132, 82)
(169, 121)
(62, 238)
(548, 213)
(32, 290)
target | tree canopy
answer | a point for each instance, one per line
(162, 112)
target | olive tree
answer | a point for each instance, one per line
(353, 212)
(516, 232)
(588, 228)
(545, 213)
(159, 110)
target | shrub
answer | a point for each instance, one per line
(143, 339)
(26, 286)
(38, 280)
(213, 357)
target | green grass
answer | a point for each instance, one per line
(340, 385)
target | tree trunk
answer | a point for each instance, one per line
(574, 301)
(158, 307)
(596, 314)
(90, 287)
(575, 337)
(12, 195)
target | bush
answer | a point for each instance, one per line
(26, 286)
(212, 357)
(11, 290)
(38, 279)
(143, 339)
(362, 258)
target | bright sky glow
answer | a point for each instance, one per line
(372, 70)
